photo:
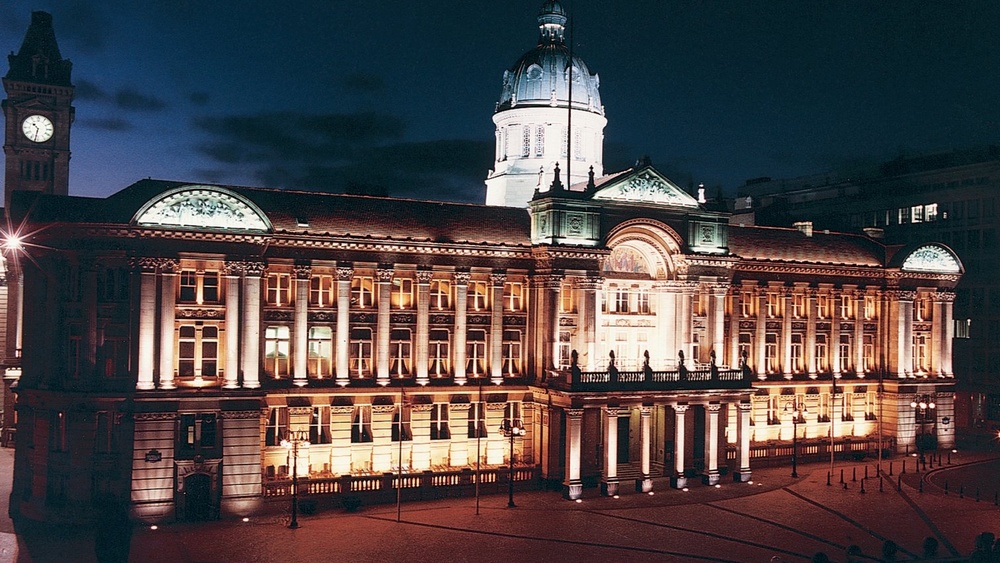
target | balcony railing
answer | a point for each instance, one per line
(681, 379)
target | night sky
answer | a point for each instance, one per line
(398, 95)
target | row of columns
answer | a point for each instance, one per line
(243, 322)
(573, 483)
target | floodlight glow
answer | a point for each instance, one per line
(12, 242)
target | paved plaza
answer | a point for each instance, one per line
(774, 517)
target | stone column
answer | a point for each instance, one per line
(147, 322)
(344, 275)
(666, 320)
(686, 320)
(422, 338)
(251, 324)
(712, 443)
(168, 302)
(734, 327)
(761, 334)
(609, 473)
(645, 484)
(459, 452)
(743, 431)
(787, 295)
(679, 480)
(586, 323)
(420, 424)
(383, 277)
(835, 303)
(461, 322)
(948, 332)
(859, 333)
(810, 352)
(497, 280)
(906, 332)
(937, 335)
(300, 349)
(232, 271)
(573, 485)
(718, 321)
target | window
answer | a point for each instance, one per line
(197, 435)
(105, 439)
(401, 424)
(869, 351)
(917, 213)
(57, 432)
(112, 284)
(513, 296)
(577, 147)
(564, 350)
(511, 352)
(188, 286)
(642, 302)
(746, 345)
(773, 304)
(563, 141)
(437, 353)
(823, 306)
(963, 328)
(322, 291)
(198, 350)
(399, 352)
(277, 426)
(622, 301)
(919, 353)
(477, 420)
(475, 353)
(746, 304)
(799, 305)
(796, 359)
(279, 289)
(440, 295)
(74, 350)
(821, 360)
(361, 424)
(869, 307)
(319, 426)
(923, 308)
(847, 407)
(845, 352)
(567, 298)
(930, 212)
(320, 362)
(402, 293)
(478, 296)
(540, 140)
(526, 141)
(771, 352)
(512, 414)
(846, 307)
(276, 351)
(362, 292)
(361, 352)
(439, 422)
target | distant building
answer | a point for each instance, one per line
(948, 197)
(177, 335)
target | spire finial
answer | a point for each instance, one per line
(556, 182)
(551, 22)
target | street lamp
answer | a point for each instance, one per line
(923, 406)
(292, 441)
(798, 411)
(510, 429)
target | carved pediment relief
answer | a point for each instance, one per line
(202, 207)
(646, 186)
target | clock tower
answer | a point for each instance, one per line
(38, 113)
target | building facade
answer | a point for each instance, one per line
(178, 337)
(948, 197)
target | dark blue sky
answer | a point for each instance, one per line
(399, 94)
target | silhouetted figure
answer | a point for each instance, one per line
(889, 549)
(612, 370)
(930, 547)
(854, 554)
(113, 533)
(574, 367)
(647, 371)
(820, 557)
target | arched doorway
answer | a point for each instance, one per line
(198, 497)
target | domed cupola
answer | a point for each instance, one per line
(549, 108)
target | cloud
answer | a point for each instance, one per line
(87, 90)
(198, 98)
(363, 83)
(362, 152)
(131, 99)
(109, 124)
(83, 23)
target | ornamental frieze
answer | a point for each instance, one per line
(189, 313)
(154, 416)
(239, 415)
(278, 315)
(871, 327)
(479, 319)
(846, 326)
(699, 323)
(748, 325)
(823, 326)
(383, 409)
(322, 316)
(403, 318)
(364, 318)
(441, 319)
(511, 320)
(922, 326)
(567, 321)
(798, 325)
(773, 325)
(342, 409)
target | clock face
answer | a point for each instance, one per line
(37, 128)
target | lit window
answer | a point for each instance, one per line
(277, 425)
(931, 212)
(438, 353)
(475, 353)
(917, 214)
(846, 307)
(322, 292)
(564, 350)
(512, 414)
(869, 351)
(401, 424)
(198, 351)
(319, 426)
(919, 353)
(362, 292)
(799, 305)
(869, 307)
(197, 435)
(439, 422)
(796, 359)
(320, 351)
(399, 352)
(771, 352)
(478, 296)
(773, 306)
(402, 293)
(822, 364)
(440, 295)
(279, 289)
(361, 352)
(361, 424)
(511, 352)
(845, 352)
(513, 296)
(477, 420)
(198, 287)
(277, 348)
(746, 304)
(567, 298)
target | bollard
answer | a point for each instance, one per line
(961, 491)
(854, 474)
(845, 486)
(862, 486)
(899, 483)
(946, 487)
(996, 498)
(949, 458)
(890, 469)
(827, 478)
(841, 475)
(866, 472)
(920, 487)
(904, 468)
(880, 485)
(977, 494)
(925, 465)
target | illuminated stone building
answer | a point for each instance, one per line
(177, 333)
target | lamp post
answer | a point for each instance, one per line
(797, 410)
(293, 441)
(511, 429)
(923, 406)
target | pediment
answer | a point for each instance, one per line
(646, 186)
(202, 207)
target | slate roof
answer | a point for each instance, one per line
(778, 244)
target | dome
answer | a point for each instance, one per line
(539, 77)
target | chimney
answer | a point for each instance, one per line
(805, 227)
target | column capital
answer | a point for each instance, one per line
(462, 278)
(720, 290)
(384, 274)
(788, 292)
(168, 265)
(424, 277)
(901, 295)
(254, 268)
(713, 407)
(302, 271)
(574, 413)
(744, 407)
(232, 269)
(548, 281)
(944, 296)
(680, 409)
(498, 278)
(345, 273)
(144, 264)
(645, 411)
(593, 281)
(612, 411)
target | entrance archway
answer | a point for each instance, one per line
(198, 497)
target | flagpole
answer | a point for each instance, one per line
(569, 108)
(399, 464)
